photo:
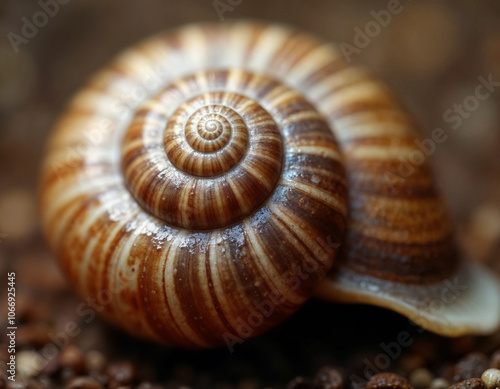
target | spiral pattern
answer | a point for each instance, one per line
(208, 130)
(220, 154)
(196, 183)
(212, 199)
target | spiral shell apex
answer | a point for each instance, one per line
(195, 192)
(224, 150)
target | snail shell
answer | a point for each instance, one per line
(193, 216)
(208, 196)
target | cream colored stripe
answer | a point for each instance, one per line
(110, 232)
(284, 98)
(325, 152)
(218, 266)
(269, 42)
(276, 92)
(214, 262)
(328, 85)
(401, 235)
(133, 63)
(194, 46)
(273, 279)
(261, 120)
(123, 279)
(201, 80)
(235, 45)
(332, 175)
(274, 137)
(299, 226)
(287, 223)
(233, 81)
(374, 130)
(261, 156)
(66, 193)
(297, 117)
(243, 200)
(310, 63)
(262, 178)
(138, 144)
(382, 152)
(369, 117)
(316, 193)
(162, 309)
(170, 274)
(366, 91)
(56, 228)
(126, 204)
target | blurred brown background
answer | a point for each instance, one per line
(431, 53)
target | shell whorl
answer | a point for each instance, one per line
(196, 191)
(207, 202)
(218, 154)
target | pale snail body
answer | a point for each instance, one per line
(211, 183)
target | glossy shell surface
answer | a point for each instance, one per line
(196, 181)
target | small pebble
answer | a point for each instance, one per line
(328, 378)
(73, 358)
(29, 363)
(388, 381)
(23, 383)
(83, 383)
(299, 383)
(95, 361)
(491, 378)
(122, 373)
(421, 378)
(471, 366)
(495, 360)
(473, 383)
(439, 383)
